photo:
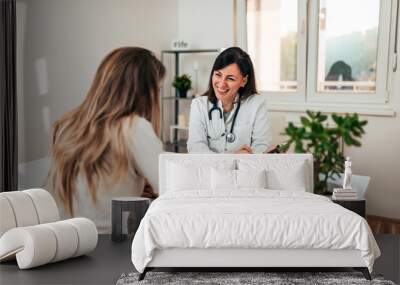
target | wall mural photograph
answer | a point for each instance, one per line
(186, 141)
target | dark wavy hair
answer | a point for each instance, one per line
(242, 59)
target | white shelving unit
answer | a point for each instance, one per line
(175, 143)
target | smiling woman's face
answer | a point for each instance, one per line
(227, 81)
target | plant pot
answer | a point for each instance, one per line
(321, 188)
(182, 93)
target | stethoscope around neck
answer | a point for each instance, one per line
(230, 137)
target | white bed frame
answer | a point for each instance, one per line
(250, 258)
(234, 257)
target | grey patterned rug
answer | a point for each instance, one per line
(229, 278)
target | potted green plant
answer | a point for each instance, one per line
(182, 83)
(323, 141)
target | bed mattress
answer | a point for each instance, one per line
(250, 219)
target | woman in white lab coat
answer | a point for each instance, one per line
(231, 117)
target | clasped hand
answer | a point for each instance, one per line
(244, 149)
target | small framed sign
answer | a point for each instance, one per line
(179, 45)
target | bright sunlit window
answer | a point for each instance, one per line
(348, 45)
(272, 43)
(322, 51)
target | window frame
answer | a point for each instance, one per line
(301, 61)
(307, 96)
(380, 94)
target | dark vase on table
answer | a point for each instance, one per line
(182, 93)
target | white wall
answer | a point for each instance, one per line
(206, 24)
(60, 45)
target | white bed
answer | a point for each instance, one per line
(203, 221)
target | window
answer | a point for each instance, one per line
(272, 42)
(323, 54)
(347, 46)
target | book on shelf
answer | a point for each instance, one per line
(344, 198)
(344, 194)
(341, 190)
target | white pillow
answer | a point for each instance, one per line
(282, 174)
(293, 179)
(223, 179)
(187, 175)
(237, 179)
(251, 178)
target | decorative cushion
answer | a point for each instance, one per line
(31, 233)
(87, 233)
(293, 179)
(26, 208)
(67, 237)
(251, 178)
(45, 206)
(31, 246)
(187, 175)
(24, 211)
(223, 179)
(40, 244)
(237, 179)
(282, 174)
(7, 220)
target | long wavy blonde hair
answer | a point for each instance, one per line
(126, 84)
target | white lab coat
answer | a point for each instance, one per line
(251, 127)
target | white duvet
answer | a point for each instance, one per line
(252, 218)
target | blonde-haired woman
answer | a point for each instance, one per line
(108, 146)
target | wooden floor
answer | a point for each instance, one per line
(111, 259)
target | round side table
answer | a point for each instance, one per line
(127, 212)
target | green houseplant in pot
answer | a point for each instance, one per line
(315, 137)
(182, 83)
